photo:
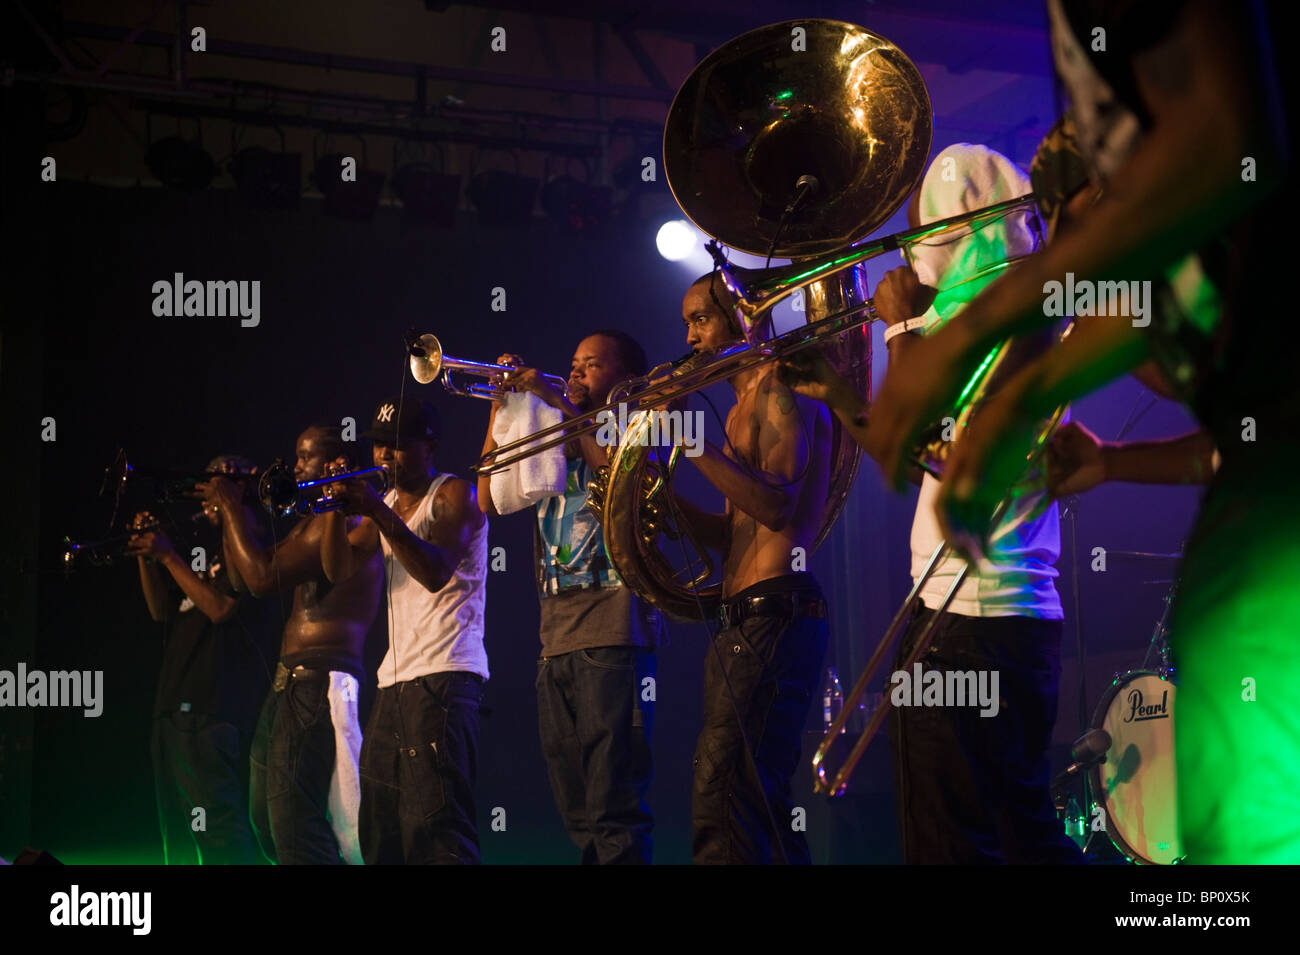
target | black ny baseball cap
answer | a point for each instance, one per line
(417, 419)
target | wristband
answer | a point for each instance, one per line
(911, 325)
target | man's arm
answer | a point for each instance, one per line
(989, 456)
(216, 606)
(770, 496)
(531, 380)
(712, 529)
(456, 518)
(347, 544)
(1182, 186)
(155, 590)
(1078, 461)
(293, 561)
(485, 502)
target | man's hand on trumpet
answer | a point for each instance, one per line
(220, 493)
(525, 378)
(359, 494)
(149, 542)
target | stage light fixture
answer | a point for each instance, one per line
(676, 239)
(427, 194)
(503, 198)
(348, 200)
(268, 180)
(180, 164)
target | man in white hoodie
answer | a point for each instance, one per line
(971, 775)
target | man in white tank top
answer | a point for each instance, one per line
(420, 752)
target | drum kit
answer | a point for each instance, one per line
(1130, 775)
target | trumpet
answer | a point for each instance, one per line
(834, 784)
(281, 495)
(108, 550)
(164, 484)
(429, 363)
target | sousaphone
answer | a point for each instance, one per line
(790, 141)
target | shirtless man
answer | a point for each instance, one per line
(305, 789)
(763, 669)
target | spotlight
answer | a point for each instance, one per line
(427, 195)
(180, 164)
(576, 205)
(503, 198)
(268, 180)
(676, 240)
(347, 200)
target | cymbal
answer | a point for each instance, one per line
(1141, 555)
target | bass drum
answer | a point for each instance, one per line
(1136, 784)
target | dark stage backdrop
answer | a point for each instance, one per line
(335, 299)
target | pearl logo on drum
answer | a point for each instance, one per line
(1138, 711)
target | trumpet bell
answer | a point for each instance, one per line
(426, 367)
(805, 98)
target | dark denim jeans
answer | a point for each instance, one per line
(292, 764)
(419, 761)
(973, 789)
(202, 762)
(771, 667)
(595, 729)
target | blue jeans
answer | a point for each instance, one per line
(595, 726)
(419, 761)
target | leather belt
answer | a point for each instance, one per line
(284, 674)
(796, 604)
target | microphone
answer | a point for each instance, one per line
(805, 186)
(1087, 751)
(411, 339)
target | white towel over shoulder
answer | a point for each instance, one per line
(537, 476)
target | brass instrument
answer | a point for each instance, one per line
(106, 551)
(164, 485)
(282, 495)
(792, 152)
(429, 363)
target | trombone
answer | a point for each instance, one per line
(757, 291)
(429, 363)
(282, 495)
(931, 457)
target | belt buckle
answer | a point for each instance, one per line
(281, 677)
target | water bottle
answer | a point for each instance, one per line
(1076, 823)
(832, 699)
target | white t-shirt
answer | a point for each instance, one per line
(434, 632)
(1016, 576)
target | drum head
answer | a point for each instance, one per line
(1137, 785)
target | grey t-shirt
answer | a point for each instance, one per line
(607, 617)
